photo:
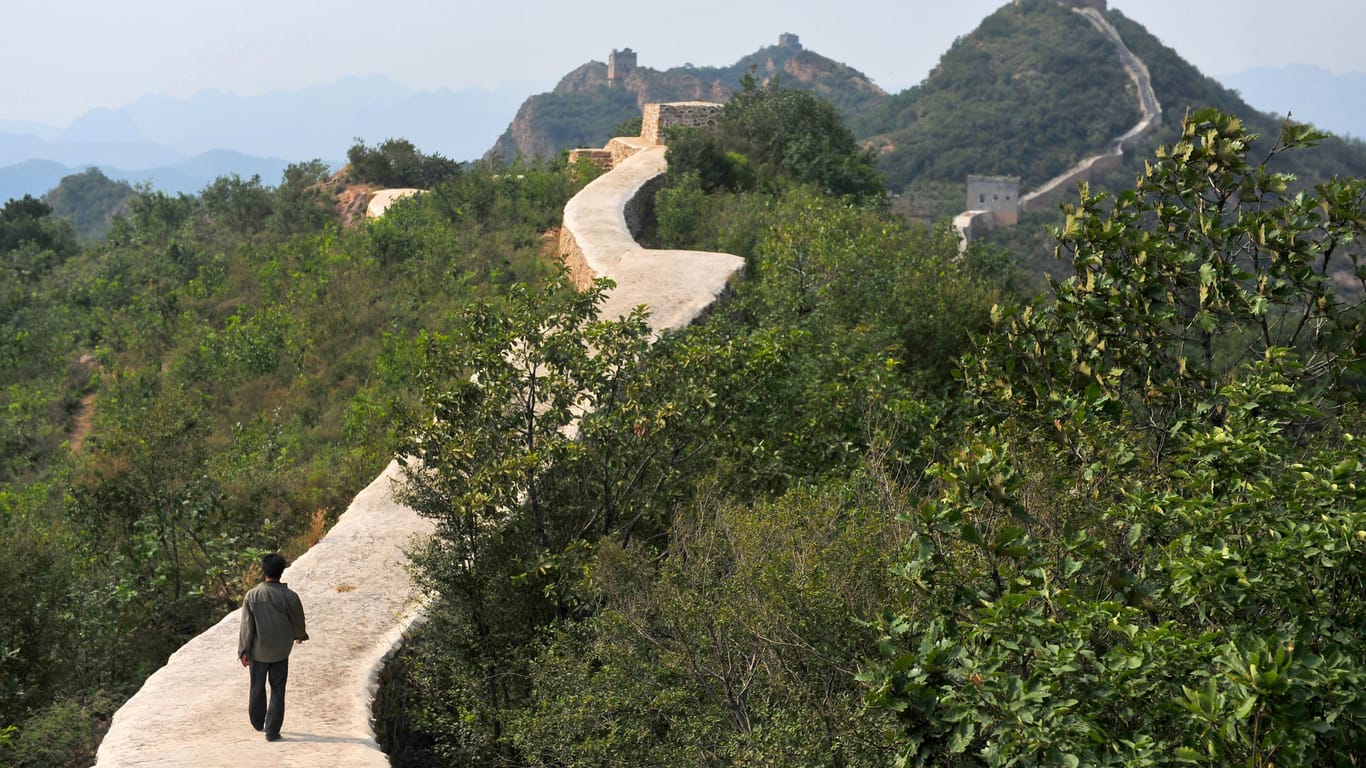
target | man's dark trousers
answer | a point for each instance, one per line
(262, 717)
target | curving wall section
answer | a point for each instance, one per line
(358, 596)
(597, 241)
(971, 224)
(1061, 187)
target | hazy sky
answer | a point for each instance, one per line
(61, 59)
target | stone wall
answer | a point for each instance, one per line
(623, 147)
(970, 225)
(1064, 187)
(640, 209)
(636, 211)
(571, 253)
(597, 240)
(598, 158)
(382, 199)
(620, 64)
(654, 119)
(657, 117)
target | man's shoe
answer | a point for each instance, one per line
(272, 737)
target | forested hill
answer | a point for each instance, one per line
(584, 108)
(1028, 93)
(1035, 88)
(1032, 90)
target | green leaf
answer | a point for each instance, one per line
(1132, 536)
(1345, 469)
(1188, 755)
(971, 535)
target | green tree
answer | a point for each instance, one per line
(766, 134)
(302, 202)
(244, 205)
(1140, 557)
(398, 163)
(31, 241)
(732, 649)
(1206, 265)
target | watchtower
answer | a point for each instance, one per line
(619, 65)
(998, 194)
(789, 40)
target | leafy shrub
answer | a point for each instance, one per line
(398, 163)
(1143, 554)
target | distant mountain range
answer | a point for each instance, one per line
(180, 145)
(1310, 94)
(189, 175)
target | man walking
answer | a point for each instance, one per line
(272, 624)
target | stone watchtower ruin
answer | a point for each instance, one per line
(992, 201)
(620, 64)
(999, 195)
(654, 119)
(789, 40)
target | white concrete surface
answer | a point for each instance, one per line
(358, 599)
(677, 286)
(383, 198)
(357, 593)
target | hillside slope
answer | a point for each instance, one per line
(1028, 93)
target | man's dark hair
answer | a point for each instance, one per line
(273, 565)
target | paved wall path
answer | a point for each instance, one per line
(969, 224)
(358, 599)
(678, 286)
(358, 596)
(1061, 185)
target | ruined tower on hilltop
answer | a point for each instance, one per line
(789, 40)
(620, 64)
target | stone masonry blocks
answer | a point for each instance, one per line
(656, 117)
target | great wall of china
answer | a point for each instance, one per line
(1007, 208)
(358, 595)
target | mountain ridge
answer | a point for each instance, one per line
(187, 175)
(585, 105)
(1030, 92)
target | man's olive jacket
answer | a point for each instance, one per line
(272, 619)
